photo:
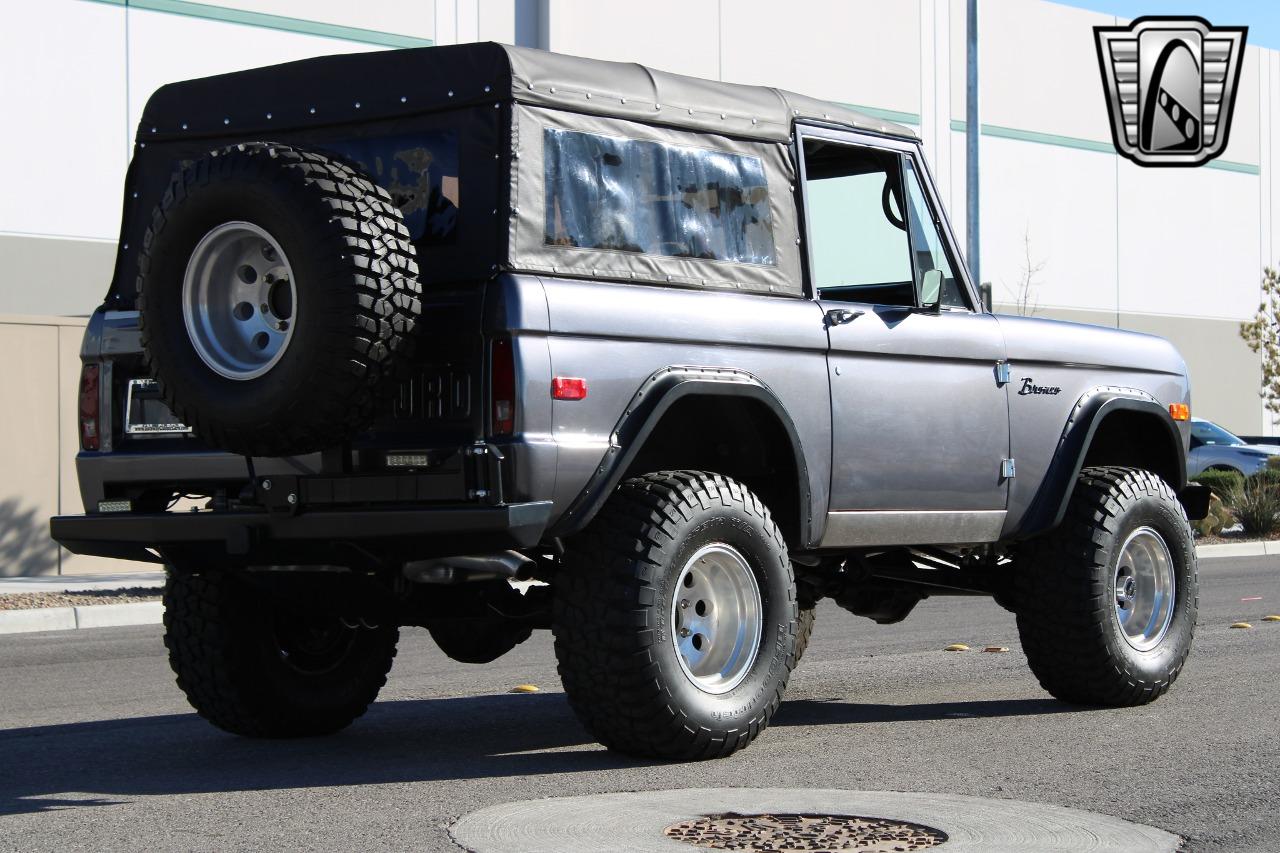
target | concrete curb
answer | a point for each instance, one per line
(71, 618)
(1239, 549)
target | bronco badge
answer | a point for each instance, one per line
(1029, 387)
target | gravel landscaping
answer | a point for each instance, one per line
(71, 598)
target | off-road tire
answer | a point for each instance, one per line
(614, 593)
(221, 634)
(1065, 595)
(357, 286)
(804, 629)
(468, 642)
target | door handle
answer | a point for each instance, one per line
(840, 316)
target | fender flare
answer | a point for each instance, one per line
(1049, 506)
(656, 396)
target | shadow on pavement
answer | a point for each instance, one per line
(832, 712)
(46, 768)
(102, 763)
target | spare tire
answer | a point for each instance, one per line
(277, 296)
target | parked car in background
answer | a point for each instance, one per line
(1214, 448)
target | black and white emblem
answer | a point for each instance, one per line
(1170, 86)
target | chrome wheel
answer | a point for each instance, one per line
(1145, 589)
(717, 618)
(238, 299)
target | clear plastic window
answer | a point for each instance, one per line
(625, 195)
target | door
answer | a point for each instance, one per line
(920, 428)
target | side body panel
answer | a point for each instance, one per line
(616, 336)
(1054, 365)
(920, 426)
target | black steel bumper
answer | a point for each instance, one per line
(424, 529)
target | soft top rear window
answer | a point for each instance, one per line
(616, 194)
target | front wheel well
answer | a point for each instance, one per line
(1136, 439)
(739, 437)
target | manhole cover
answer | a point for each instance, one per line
(804, 833)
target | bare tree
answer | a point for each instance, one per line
(1028, 280)
(1262, 334)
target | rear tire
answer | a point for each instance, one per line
(255, 666)
(675, 618)
(1107, 602)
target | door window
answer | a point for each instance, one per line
(929, 251)
(857, 230)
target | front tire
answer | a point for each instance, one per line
(1107, 602)
(675, 618)
(254, 665)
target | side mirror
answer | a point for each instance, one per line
(931, 290)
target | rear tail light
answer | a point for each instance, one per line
(502, 386)
(90, 422)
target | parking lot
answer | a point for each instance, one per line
(101, 752)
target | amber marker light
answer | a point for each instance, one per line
(1180, 411)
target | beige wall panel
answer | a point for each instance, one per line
(53, 275)
(402, 17)
(854, 51)
(1225, 375)
(681, 36)
(1189, 241)
(28, 449)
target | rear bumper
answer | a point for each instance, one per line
(281, 537)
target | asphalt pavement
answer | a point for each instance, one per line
(99, 750)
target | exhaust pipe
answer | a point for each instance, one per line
(504, 565)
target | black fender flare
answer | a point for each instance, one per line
(1049, 506)
(655, 396)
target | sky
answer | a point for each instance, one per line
(1262, 17)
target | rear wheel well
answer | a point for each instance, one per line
(738, 437)
(1134, 439)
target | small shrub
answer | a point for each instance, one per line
(1222, 482)
(1219, 518)
(1268, 475)
(1256, 503)
(1273, 462)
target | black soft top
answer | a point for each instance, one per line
(388, 84)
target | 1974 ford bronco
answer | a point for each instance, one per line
(390, 331)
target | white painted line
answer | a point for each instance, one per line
(43, 619)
